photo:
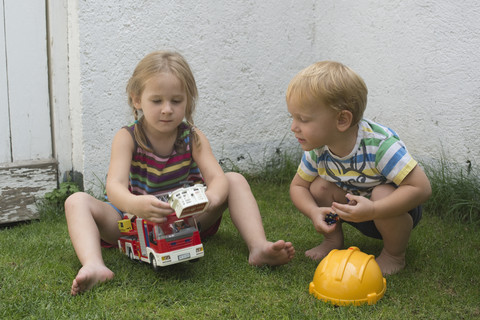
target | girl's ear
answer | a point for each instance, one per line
(136, 102)
(344, 120)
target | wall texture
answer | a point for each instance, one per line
(420, 61)
(417, 59)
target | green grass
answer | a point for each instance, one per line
(456, 191)
(441, 280)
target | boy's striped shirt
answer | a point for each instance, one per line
(379, 157)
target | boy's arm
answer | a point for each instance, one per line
(302, 199)
(412, 191)
(301, 196)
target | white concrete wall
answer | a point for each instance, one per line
(421, 64)
(417, 58)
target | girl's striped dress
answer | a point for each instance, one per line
(154, 174)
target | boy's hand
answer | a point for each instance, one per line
(358, 209)
(319, 222)
(151, 208)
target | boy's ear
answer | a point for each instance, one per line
(344, 120)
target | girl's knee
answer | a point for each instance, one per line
(75, 200)
(236, 179)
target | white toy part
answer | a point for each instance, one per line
(189, 201)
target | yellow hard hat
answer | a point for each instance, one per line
(346, 277)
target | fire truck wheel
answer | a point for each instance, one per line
(153, 262)
(130, 254)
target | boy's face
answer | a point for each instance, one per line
(314, 124)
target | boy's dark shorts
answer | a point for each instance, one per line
(369, 229)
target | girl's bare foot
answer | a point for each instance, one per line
(89, 276)
(390, 264)
(272, 254)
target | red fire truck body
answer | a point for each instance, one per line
(170, 242)
(161, 244)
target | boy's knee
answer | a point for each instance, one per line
(381, 191)
(325, 192)
(402, 223)
(318, 187)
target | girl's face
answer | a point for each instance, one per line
(163, 103)
(314, 125)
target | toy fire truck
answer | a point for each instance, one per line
(170, 242)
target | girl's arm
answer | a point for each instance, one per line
(217, 184)
(148, 206)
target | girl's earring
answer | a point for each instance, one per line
(135, 113)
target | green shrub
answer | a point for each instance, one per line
(455, 192)
(58, 196)
(280, 168)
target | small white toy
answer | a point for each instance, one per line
(189, 201)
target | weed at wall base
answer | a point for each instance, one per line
(455, 192)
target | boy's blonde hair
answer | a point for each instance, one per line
(333, 84)
(151, 65)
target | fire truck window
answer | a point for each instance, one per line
(151, 237)
(159, 232)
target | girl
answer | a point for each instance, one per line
(149, 157)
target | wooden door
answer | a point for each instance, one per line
(27, 167)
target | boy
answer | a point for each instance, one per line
(351, 166)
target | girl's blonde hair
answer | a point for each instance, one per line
(151, 65)
(333, 84)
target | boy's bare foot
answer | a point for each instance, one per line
(272, 254)
(88, 276)
(390, 264)
(321, 251)
(331, 241)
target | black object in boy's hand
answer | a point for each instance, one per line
(331, 218)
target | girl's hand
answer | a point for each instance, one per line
(151, 208)
(319, 220)
(358, 209)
